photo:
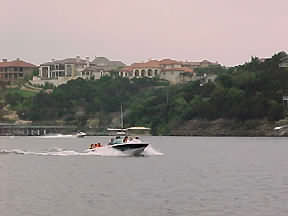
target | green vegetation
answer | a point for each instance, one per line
(212, 69)
(244, 93)
(79, 100)
(18, 99)
(250, 91)
(20, 92)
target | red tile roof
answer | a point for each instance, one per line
(168, 62)
(149, 64)
(157, 64)
(127, 69)
(16, 63)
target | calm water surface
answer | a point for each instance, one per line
(196, 176)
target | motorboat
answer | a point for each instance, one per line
(128, 145)
(122, 142)
(125, 144)
(81, 134)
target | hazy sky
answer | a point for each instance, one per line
(227, 31)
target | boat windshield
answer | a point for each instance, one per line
(116, 140)
(124, 139)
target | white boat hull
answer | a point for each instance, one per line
(130, 148)
(134, 152)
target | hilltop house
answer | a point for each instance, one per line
(101, 66)
(167, 69)
(107, 65)
(67, 68)
(15, 70)
(200, 64)
(60, 71)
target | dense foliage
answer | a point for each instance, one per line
(80, 99)
(246, 92)
(250, 91)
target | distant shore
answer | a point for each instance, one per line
(196, 127)
(224, 127)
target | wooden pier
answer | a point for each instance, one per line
(33, 130)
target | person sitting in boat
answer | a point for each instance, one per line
(93, 146)
(125, 139)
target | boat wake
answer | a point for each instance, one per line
(103, 151)
(150, 151)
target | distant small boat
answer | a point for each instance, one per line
(81, 134)
(280, 127)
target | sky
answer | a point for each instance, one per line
(229, 32)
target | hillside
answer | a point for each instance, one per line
(244, 100)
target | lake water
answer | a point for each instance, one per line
(200, 176)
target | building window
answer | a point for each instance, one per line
(21, 69)
(156, 72)
(68, 70)
(143, 73)
(61, 73)
(45, 71)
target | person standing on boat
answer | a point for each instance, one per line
(111, 141)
